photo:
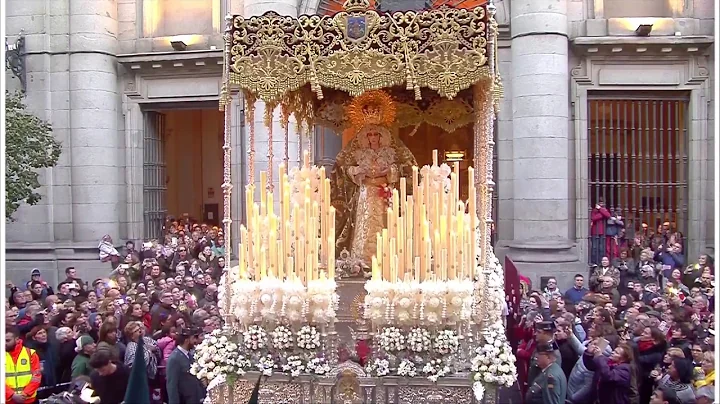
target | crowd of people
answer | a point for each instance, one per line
(164, 293)
(638, 329)
(633, 332)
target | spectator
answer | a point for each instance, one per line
(604, 271)
(578, 291)
(679, 379)
(38, 340)
(108, 341)
(85, 346)
(599, 217)
(109, 379)
(133, 332)
(551, 290)
(664, 395)
(73, 279)
(182, 387)
(23, 374)
(617, 382)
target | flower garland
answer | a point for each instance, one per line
(446, 342)
(318, 366)
(294, 366)
(435, 369)
(266, 364)
(391, 339)
(378, 367)
(282, 338)
(494, 362)
(407, 368)
(217, 355)
(255, 338)
(418, 340)
(308, 338)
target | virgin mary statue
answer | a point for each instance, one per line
(365, 172)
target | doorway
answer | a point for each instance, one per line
(183, 166)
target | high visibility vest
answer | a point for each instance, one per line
(19, 374)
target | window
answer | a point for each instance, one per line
(637, 158)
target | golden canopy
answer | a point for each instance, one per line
(270, 57)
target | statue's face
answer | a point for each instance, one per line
(373, 139)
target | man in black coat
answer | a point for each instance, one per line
(182, 387)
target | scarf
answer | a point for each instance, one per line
(645, 345)
(709, 380)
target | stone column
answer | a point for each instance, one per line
(95, 146)
(285, 8)
(541, 143)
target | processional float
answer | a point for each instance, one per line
(431, 311)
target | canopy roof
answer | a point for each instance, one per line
(356, 50)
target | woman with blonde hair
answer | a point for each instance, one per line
(135, 330)
(708, 368)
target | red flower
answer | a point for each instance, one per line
(385, 192)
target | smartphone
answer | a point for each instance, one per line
(663, 326)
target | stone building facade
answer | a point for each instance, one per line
(100, 70)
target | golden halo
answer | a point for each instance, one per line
(374, 107)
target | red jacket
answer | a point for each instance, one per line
(34, 384)
(598, 219)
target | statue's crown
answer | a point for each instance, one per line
(353, 6)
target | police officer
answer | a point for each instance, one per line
(550, 386)
(544, 333)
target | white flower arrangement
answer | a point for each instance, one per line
(378, 367)
(266, 364)
(391, 339)
(435, 369)
(434, 305)
(407, 368)
(255, 338)
(494, 362)
(308, 338)
(478, 390)
(377, 303)
(437, 176)
(282, 338)
(218, 355)
(243, 300)
(322, 300)
(294, 366)
(318, 366)
(300, 177)
(418, 340)
(446, 342)
(214, 383)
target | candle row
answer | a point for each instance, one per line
(428, 234)
(297, 243)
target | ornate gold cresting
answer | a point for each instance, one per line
(358, 50)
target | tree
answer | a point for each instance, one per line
(29, 147)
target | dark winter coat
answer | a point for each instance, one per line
(615, 381)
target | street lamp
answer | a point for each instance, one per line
(15, 59)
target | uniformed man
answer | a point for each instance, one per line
(544, 334)
(22, 370)
(550, 386)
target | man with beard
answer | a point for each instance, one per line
(22, 370)
(182, 387)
